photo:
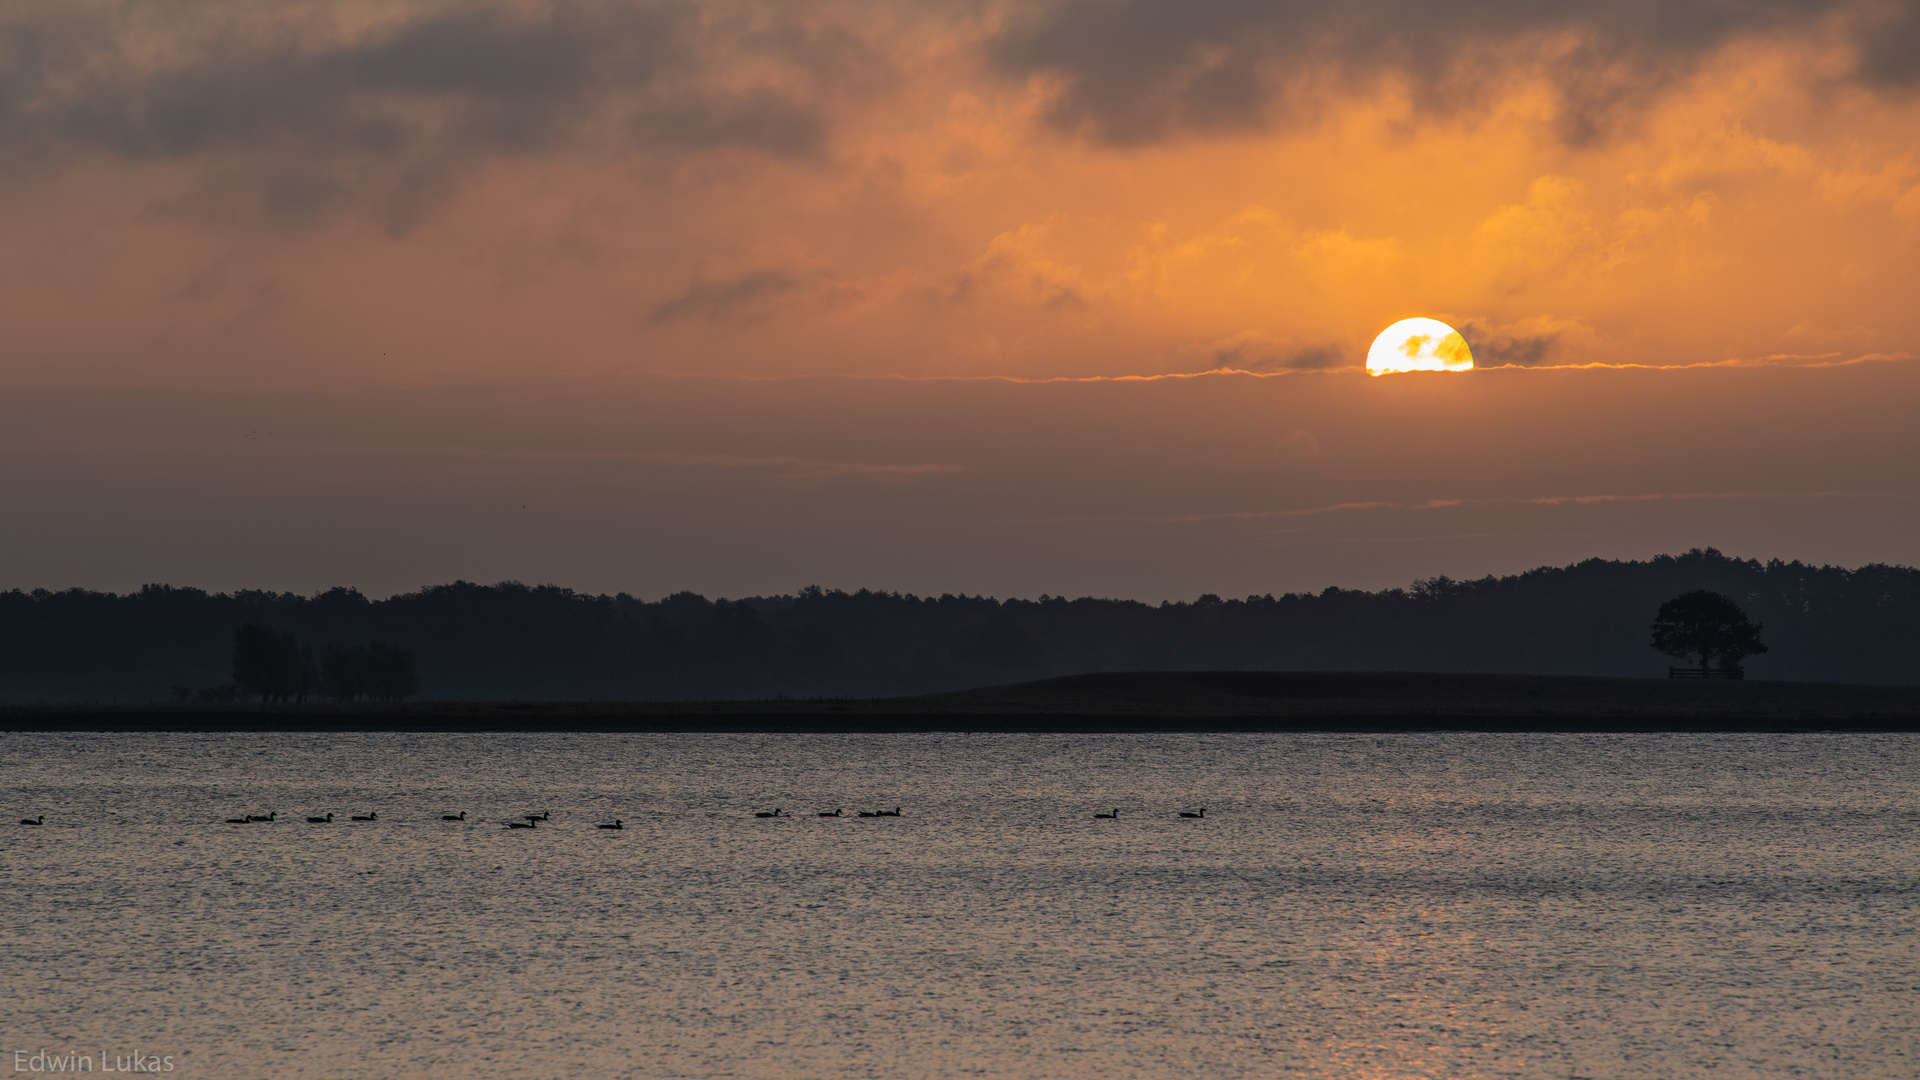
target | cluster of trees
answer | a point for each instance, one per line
(515, 642)
(273, 666)
(376, 671)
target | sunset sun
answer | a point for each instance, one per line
(1418, 345)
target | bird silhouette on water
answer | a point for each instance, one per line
(532, 820)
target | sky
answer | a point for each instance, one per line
(989, 297)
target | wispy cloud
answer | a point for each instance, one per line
(1536, 500)
(484, 458)
(1782, 360)
(745, 298)
(1776, 360)
(799, 468)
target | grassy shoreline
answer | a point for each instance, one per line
(1242, 700)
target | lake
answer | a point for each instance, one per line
(1382, 906)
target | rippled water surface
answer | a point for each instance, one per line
(1424, 905)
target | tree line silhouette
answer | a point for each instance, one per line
(272, 666)
(516, 642)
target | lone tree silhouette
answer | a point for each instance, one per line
(1709, 626)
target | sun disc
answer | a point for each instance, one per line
(1419, 345)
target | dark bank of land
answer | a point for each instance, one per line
(1120, 701)
(510, 642)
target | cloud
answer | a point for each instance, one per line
(487, 79)
(775, 186)
(784, 469)
(1254, 351)
(264, 92)
(1028, 261)
(1531, 342)
(760, 120)
(798, 471)
(1541, 500)
(1504, 346)
(1143, 71)
(1299, 445)
(741, 299)
(1890, 46)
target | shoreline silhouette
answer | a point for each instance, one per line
(1110, 701)
(511, 642)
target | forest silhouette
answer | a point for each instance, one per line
(510, 641)
(272, 666)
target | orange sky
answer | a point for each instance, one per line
(282, 204)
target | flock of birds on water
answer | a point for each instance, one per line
(529, 821)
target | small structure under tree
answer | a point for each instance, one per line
(1708, 626)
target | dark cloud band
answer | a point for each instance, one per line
(262, 93)
(1139, 71)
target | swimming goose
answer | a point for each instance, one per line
(829, 813)
(763, 813)
(1115, 814)
(1202, 813)
(895, 812)
(268, 817)
(230, 821)
(461, 816)
(616, 825)
(870, 813)
(321, 820)
(522, 824)
(538, 817)
(41, 820)
(375, 816)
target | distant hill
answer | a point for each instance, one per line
(515, 642)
